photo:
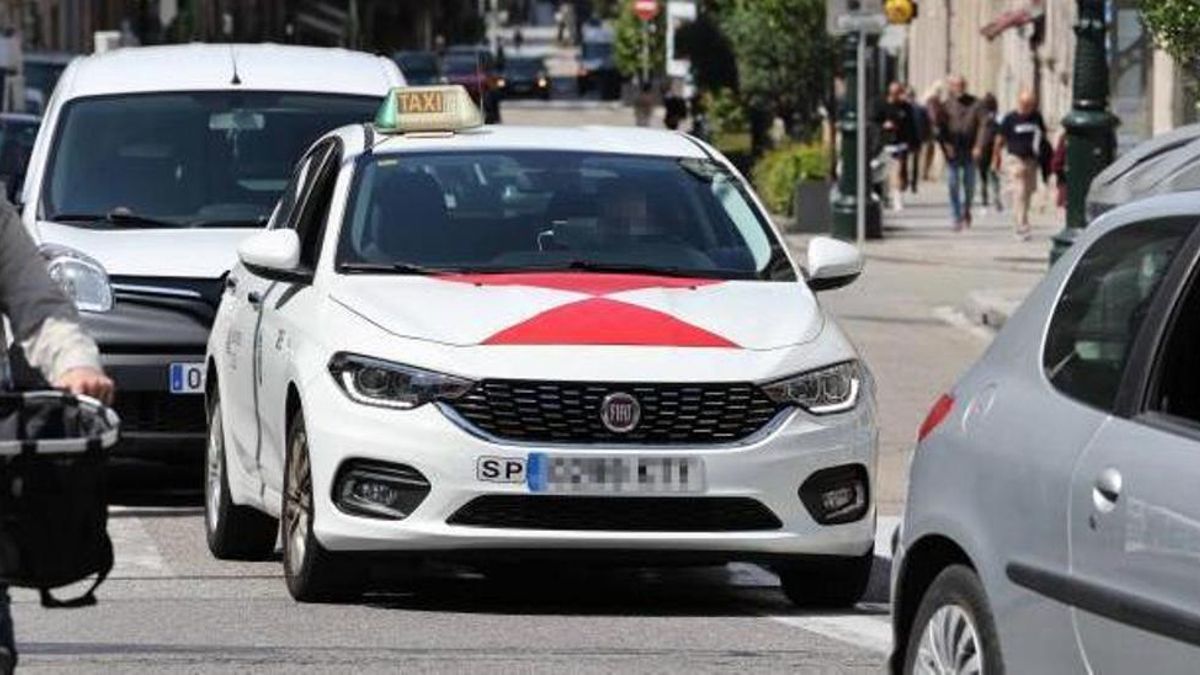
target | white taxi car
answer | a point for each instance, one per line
(457, 341)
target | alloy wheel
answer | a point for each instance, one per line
(297, 503)
(214, 461)
(949, 644)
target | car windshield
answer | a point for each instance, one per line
(461, 64)
(417, 63)
(505, 211)
(189, 159)
(527, 67)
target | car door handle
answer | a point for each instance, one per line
(1107, 489)
(254, 298)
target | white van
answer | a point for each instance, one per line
(152, 164)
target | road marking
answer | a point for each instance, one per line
(861, 630)
(867, 627)
(136, 553)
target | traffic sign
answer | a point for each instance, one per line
(646, 10)
(861, 23)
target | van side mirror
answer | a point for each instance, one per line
(832, 264)
(274, 255)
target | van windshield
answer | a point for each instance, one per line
(506, 211)
(187, 159)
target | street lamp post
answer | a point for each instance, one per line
(1089, 125)
(845, 202)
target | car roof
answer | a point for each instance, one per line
(1174, 204)
(1166, 163)
(606, 139)
(202, 67)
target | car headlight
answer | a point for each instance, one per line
(81, 277)
(393, 385)
(828, 390)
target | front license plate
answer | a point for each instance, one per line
(186, 378)
(614, 475)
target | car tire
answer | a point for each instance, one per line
(312, 573)
(833, 583)
(955, 604)
(234, 532)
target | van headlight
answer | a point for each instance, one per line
(393, 385)
(81, 277)
(827, 390)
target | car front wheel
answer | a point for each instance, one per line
(234, 532)
(312, 573)
(831, 583)
(954, 632)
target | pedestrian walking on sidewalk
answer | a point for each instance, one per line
(961, 139)
(1022, 139)
(895, 120)
(989, 175)
(923, 137)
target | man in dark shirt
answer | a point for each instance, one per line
(1022, 133)
(897, 121)
(961, 137)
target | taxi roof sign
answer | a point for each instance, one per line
(436, 108)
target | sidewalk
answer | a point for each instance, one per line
(921, 234)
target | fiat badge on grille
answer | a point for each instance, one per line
(620, 412)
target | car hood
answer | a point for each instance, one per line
(180, 253)
(585, 309)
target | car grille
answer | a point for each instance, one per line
(617, 514)
(569, 412)
(160, 412)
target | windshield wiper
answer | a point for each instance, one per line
(632, 268)
(260, 221)
(392, 268)
(118, 219)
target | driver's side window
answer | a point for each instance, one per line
(1103, 307)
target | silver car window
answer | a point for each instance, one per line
(1176, 391)
(1103, 306)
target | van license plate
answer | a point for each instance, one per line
(186, 378)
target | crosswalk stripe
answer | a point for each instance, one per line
(136, 553)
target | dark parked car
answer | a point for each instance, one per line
(525, 77)
(419, 68)
(17, 134)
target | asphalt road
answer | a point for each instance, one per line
(171, 608)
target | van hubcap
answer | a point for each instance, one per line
(297, 503)
(949, 645)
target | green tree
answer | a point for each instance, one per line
(1175, 25)
(785, 59)
(627, 46)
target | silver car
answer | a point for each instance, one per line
(1053, 515)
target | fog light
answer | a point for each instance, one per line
(379, 490)
(837, 495)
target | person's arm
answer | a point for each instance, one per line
(44, 322)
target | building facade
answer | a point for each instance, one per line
(1032, 45)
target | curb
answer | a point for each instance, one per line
(991, 308)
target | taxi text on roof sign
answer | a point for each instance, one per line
(439, 108)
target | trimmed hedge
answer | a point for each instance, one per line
(775, 175)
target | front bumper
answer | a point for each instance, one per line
(139, 340)
(769, 469)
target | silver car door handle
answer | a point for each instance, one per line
(254, 298)
(1108, 485)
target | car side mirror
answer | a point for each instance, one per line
(832, 264)
(274, 255)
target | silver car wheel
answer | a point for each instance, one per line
(215, 458)
(297, 503)
(949, 644)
